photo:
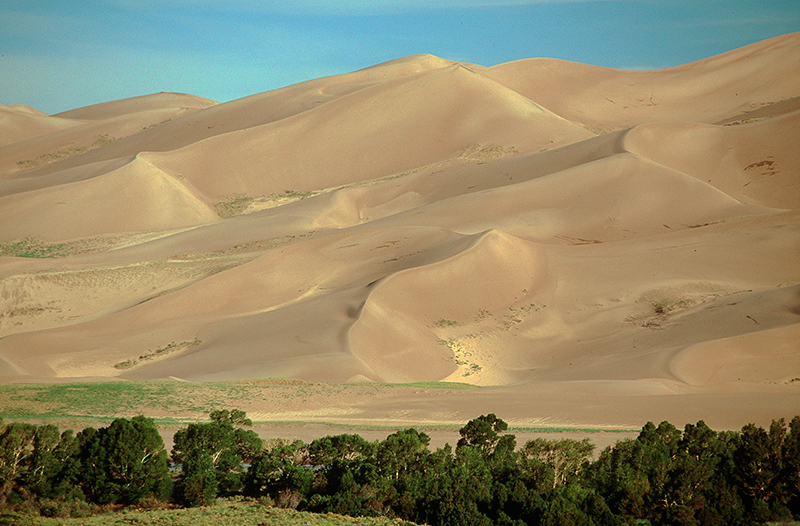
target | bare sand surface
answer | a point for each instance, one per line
(594, 248)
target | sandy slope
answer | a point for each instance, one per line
(19, 122)
(593, 247)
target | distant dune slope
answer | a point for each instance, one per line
(19, 122)
(708, 91)
(591, 238)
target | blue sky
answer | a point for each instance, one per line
(57, 55)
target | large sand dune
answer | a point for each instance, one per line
(592, 247)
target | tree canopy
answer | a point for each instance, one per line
(664, 476)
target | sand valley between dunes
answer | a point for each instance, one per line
(588, 247)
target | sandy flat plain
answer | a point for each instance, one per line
(592, 247)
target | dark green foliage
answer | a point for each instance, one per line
(212, 456)
(559, 460)
(125, 462)
(482, 432)
(283, 474)
(403, 459)
(341, 450)
(663, 477)
(199, 481)
(700, 477)
(37, 461)
(766, 473)
(235, 418)
(16, 454)
(790, 472)
(346, 478)
(398, 455)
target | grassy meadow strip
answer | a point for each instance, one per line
(225, 513)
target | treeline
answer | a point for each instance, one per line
(697, 476)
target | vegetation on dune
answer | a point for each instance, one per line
(60, 155)
(665, 476)
(30, 247)
(170, 348)
(238, 204)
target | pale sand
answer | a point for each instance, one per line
(595, 248)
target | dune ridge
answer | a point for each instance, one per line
(591, 247)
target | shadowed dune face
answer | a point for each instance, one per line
(617, 246)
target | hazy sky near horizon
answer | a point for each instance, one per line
(56, 55)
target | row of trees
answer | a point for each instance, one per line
(664, 476)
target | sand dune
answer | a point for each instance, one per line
(706, 91)
(83, 130)
(592, 247)
(155, 201)
(19, 122)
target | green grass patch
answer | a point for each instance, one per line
(83, 404)
(227, 513)
(107, 400)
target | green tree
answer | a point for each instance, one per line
(565, 508)
(66, 469)
(565, 458)
(457, 489)
(760, 473)
(340, 450)
(125, 462)
(346, 478)
(632, 475)
(16, 450)
(401, 453)
(482, 433)
(199, 481)
(235, 418)
(283, 473)
(692, 473)
(212, 455)
(403, 459)
(790, 472)
(43, 463)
